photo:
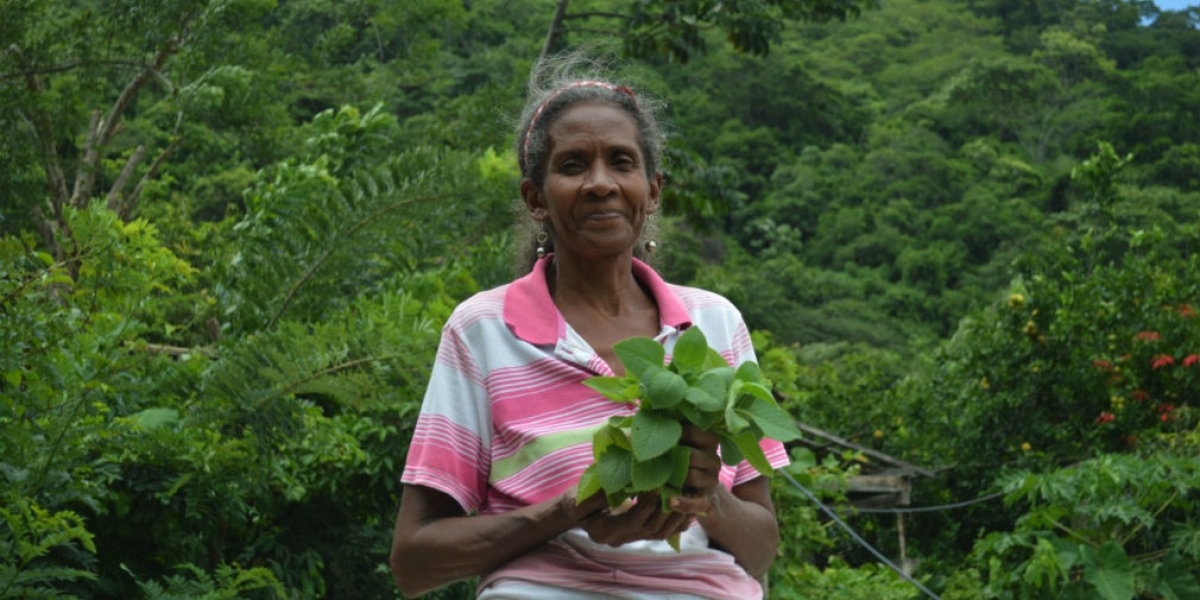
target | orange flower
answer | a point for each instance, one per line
(1103, 365)
(1161, 360)
(1147, 336)
(1186, 311)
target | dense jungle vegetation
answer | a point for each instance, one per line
(966, 233)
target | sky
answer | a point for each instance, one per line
(1175, 4)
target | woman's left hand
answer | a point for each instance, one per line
(703, 479)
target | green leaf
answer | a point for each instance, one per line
(589, 484)
(681, 461)
(638, 354)
(1174, 580)
(747, 443)
(653, 434)
(651, 474)
(703, 419)
(735, 422)
(772, 420)
(663, 389)
(749, 372)
(708, 394)
(690, 351)
(1109, 571)
(613, 468)
(1068, 552)
(614, 388)
(153, 418)
(758, 390)
(714, 360)
(610, 434)
(730, 453)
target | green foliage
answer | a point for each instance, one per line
(221, 367)
(641, 453)
(1108, 527)
(30, 533)
(230, 582)
(841, 581)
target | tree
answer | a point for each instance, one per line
(52, 74)
(675, 29)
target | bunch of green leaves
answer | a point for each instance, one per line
(642, 453)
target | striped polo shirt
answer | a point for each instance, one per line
(506, 422)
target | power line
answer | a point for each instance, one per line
(921, 509)
(833, 515)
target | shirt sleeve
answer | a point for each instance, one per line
(451, 442)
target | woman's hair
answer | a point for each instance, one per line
(556, 84)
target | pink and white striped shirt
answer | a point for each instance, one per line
(506, 423)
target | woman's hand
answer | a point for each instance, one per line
(644, 518)
(640, 519)
(700, 489)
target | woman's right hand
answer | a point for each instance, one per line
(643, 519)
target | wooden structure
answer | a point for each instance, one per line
(884, 481)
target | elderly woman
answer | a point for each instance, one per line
(506, 426)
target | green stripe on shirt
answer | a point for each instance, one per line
(538, 448)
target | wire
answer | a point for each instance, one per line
(920, 509)
(857, 537)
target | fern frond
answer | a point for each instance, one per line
(312, 240)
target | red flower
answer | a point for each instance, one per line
(1140, 395)
(1161, 360)
(1190, 360)
(1105, 417)
(1148, 336)
(1103, 365)
(1165, 408)
(1186, 311)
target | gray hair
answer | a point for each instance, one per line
(556, 84)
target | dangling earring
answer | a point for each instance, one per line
(542, 237)
(651, 246)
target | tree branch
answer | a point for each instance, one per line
(592, 30)
(588, 15)
(128, 204)
(115, 196)
(556, 28)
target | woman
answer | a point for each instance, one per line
(505, 429)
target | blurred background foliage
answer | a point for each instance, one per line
(964, 233)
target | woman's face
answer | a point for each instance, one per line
(597, 194)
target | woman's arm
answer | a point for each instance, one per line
(435, 543)
(740, 522)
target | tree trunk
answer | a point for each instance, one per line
(555, 32)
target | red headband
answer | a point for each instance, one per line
(538, 113)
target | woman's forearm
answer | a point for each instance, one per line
(742, 525)
(435, 552)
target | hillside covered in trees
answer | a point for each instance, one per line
(965, 233)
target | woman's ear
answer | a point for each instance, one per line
(656, 184)
(533, 199)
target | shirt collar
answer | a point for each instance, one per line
(530, 313)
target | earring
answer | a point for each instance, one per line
(542, 237)
(651, 246)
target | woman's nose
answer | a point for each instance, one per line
(600, 180)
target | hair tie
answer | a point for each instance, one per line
(576, 84)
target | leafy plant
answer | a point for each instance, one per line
(641, 453)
